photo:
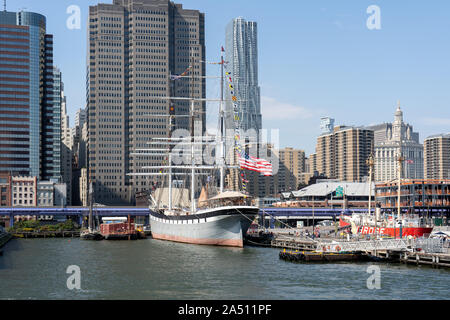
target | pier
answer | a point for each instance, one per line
(430, 252)
(294, 243)
(47, 234)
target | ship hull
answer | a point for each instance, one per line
(224, 226)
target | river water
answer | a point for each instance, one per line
(153, 269)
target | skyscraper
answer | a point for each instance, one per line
(292, 165)
(437, 157)
(133, 48)
(242, 57)
(342, 154)
(30, 114)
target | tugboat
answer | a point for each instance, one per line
(119, 230)
(92, 232)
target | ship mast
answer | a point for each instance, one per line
(370, 162)
(221, 126)
(192, 140)
(399, 167)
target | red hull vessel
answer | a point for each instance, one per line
(388, 231)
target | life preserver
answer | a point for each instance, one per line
(338, 248)
(324, 248)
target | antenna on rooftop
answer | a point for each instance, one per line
(4, 5)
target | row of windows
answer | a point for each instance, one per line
(109, 82)
(110, 126)
(15, 76)
(110, 69)
(150, 63)
(111, 38)
(110, 63)
(14, 69)
(150, 19)
(21, 44)
(146, 94)
(150, 126)
(109, 75)
(14, 89)
(110, 139)
(163, 70)
(151, 75)
(150, 50)
(150, 82)
(111, 25)
(107, 56)
(110, 120)
(15, 49)
(111, 50)
(150, 38)
(108, 19)
(109, 94)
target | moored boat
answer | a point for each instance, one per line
(221, 225)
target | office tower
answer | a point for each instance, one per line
(51, 120)
(241, 55)
(437, 157)
(241, 52)
(80, 118)
(79, 160)
(392, 139)
(66, 147)
(30, 116)
(292, 166)
(342, 154)
(133, 48)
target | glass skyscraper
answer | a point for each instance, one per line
(242, 57)
(30, 129)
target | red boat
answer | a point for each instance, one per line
(365, 224)
(116, 229)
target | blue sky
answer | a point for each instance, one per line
(316, 58)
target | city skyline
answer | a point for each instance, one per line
(336, 66)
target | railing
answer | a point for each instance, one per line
(427, 245)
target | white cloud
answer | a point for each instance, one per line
(273, 109)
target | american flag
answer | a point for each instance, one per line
(255, 164)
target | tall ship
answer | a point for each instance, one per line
(221, 220)
(399, 226)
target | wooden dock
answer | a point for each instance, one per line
(304, 256)
(47, 234)
(437, 260)
(294, 243)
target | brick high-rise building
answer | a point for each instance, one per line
(133, 48)
(342, 154)
(437, 157)
(292, 166)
